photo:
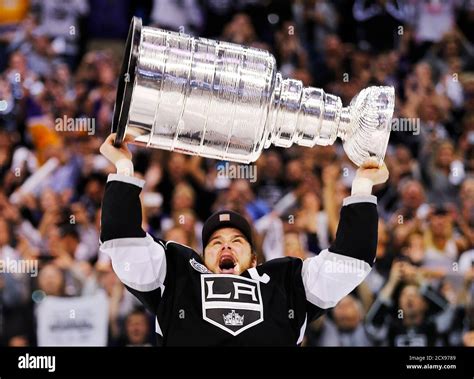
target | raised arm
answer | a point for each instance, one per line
(137, 259)
(336, 271)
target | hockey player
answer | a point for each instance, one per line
(222, 297)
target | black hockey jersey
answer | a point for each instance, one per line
(267, 305)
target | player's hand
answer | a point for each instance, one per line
(112, 153)
(372, 171)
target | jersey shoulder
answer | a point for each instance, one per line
(285, 267)
(178, 254)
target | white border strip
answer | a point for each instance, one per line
(126, 179)
(354, 199)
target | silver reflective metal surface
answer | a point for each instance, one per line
(226, 101)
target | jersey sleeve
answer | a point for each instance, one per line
(138, 260)
(336, 271)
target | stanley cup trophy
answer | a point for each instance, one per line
(225, 101)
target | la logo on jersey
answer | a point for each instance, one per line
(231, 302)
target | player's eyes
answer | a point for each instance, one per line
(238, 240)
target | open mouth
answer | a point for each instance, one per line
(226, 264)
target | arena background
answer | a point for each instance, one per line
(59, 62)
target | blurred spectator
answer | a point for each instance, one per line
(220, 12)
(442, 244)
(271, 178)
(121, 302)
(290, 53)
(178, 234)
(180, 15)
(345, 327)
(402, 314)
(107, 26)
(313, 223)
(179, 169)
(60, 21)
(384, 258)
(332, 66)
(137, 329)
(14, 286)
(72, 237)
(443, 173)
(293, 246)
(12, 14)
(380, 22)
(240, 30)
(320, 19)
(431, 20)
(52, 281)
(466, 18)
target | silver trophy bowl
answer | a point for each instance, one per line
(225, 101)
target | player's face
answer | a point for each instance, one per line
(228, 252)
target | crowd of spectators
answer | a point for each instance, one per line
(60, 59)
